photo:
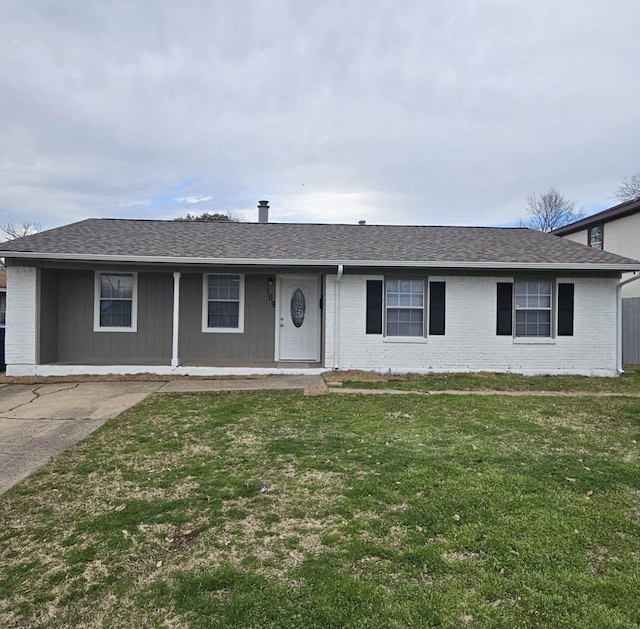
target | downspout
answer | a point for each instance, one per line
(176, 320)
(619, 321)
(336, 317)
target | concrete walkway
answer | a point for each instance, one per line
(481, 392)
(310, 384)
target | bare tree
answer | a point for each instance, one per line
(629, 189)
(549, 210)
(208, 216)
(11, 231)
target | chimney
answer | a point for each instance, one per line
(263, 211)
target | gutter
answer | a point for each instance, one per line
(619, 286)
(336, 317)
(447, 264)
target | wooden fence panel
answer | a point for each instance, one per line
(631, 331)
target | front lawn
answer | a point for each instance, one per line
(379, 511)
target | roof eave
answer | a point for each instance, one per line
(449, 264)
(619, 211)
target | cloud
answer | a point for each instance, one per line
(401, 112)
(135, 202)
(193, 200)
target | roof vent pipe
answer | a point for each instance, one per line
(263, 211)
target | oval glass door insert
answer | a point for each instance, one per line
(298, 307)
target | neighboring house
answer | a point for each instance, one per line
(616, 230)
(3, 314)
(127, 296)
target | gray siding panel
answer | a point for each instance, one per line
(631, 331)
(79, 344)
(255, 345)
(49, 314)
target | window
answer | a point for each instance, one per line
(595, 236)
(397, 307)
(116, 296)
(223, 303)
(533, 308)
(405, 307)
(3, 308)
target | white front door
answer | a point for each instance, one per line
(299, 318)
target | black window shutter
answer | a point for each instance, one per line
(565, 309)
(505, 304)
(374, 306)
(436, 307)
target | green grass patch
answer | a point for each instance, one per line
(379, 511)
(628, 383)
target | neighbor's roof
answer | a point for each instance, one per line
(309, 244)
(612, 214)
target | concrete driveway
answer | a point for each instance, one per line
(38, 422)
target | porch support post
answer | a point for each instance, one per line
(176, 319)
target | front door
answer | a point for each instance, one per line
(299, 318)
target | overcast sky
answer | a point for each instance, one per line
(409, 112)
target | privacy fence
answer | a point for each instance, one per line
(631, 331)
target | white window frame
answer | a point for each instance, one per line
(538, 308)
(205, 305)
(421, 336)
(97, 296)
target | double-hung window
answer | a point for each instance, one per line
(533, 309)
(223, 303)
(405, 307)
(116, 296)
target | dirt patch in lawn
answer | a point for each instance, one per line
(463, 555)
(353, 375)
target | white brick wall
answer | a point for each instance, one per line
(22, 320)
(470, 342)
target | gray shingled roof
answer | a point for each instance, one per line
(278, 242)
